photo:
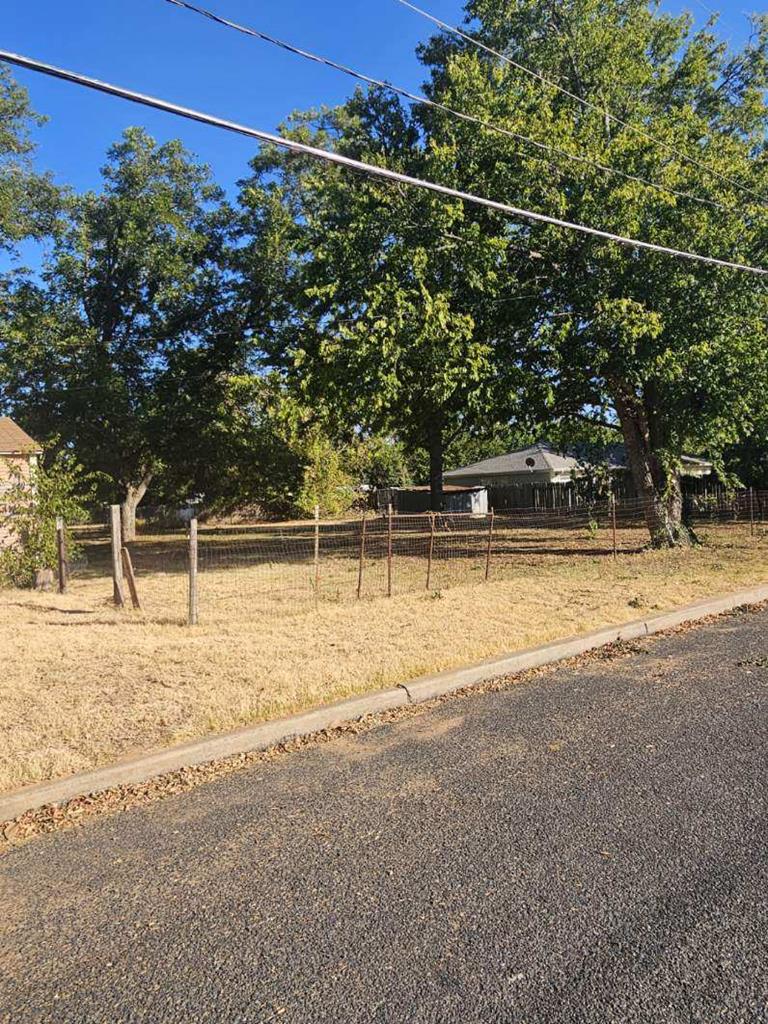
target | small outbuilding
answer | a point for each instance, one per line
(456, 498)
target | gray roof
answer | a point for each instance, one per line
(539, 456)
(543, 457)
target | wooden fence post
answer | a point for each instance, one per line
(613, 524)
(61, 551)
(362, 556)
(118, 590)
(193, 605)
(488, 549)
(317, 554)
(389, 550)
(130, 576)
(431, 546)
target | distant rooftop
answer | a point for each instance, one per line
(537, 456)
(14, 440)
(544, 456)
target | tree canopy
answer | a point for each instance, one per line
(327, 322)
(428, 316)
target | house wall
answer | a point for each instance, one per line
(11, 468)
(534, 477)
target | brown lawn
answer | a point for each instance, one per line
(84, 684)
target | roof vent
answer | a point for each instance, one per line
(530, 462)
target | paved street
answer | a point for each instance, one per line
(587, 846)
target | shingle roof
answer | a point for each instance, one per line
(536, 457)
(545, 457)
(15, 441)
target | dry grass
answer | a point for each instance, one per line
(84, 684)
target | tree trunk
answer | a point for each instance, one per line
(436, 465)
(659, 489)
(133, 495)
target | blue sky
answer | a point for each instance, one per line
(156, 48)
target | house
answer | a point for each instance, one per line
(537, 464)
(540, 474)
(19, 454)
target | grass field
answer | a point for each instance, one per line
(84, 684)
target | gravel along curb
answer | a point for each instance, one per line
(270, 734)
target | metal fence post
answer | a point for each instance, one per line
(118, 590)
(362, 557)
(389, 550)
(488, 548)
(61, 552)
(317, 554)
(613, 524)
(193, 604)
(431, 546)
(751, 512)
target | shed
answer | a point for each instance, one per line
(456, 498)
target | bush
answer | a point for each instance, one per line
(326, 481)
(28, 516)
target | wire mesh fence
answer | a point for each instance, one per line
(273, 569)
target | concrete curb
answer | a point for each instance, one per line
(270, 734)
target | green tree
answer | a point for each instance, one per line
(28, 201)
(672, 352)
(57, 487)
(377, 461)
(94, 350)
(389, 328)
(431, 319)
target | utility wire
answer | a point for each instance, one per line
(423, 100)
(357, 165)
(453, 30)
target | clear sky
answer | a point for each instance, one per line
(154, 47)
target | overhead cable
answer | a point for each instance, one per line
(421, 99)
(453, 30)
(372, 170)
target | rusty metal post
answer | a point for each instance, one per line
(431, 547)
(362, 557)
(317, 554)
(389, 550)
(488, 548)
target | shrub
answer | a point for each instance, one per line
(28, 515)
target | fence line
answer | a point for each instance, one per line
(279, 568)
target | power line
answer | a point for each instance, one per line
(604, 112)
(357, 165)
(421, 99)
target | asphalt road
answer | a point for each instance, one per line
(586, 846)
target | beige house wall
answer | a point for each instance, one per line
(13, 468)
